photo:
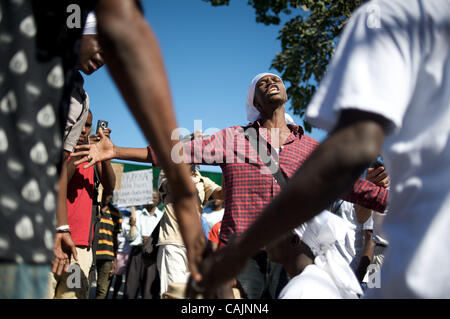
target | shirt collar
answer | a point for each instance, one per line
(296, 129)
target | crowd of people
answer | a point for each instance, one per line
(293, 218)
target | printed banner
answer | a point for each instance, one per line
(136, 189)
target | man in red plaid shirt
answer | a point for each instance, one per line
(247, 181)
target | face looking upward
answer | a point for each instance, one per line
(270, 93)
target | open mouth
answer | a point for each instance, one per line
(273, 90)
(92, 66)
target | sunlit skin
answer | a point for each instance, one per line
(90, 59)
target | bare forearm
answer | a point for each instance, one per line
(134, 60)
(108, 177)
(71, 168)
(132, 154)
(131, 234)
(61, 211)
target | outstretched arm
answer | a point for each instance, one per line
(105, 150)
(205, 150)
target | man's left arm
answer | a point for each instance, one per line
(107, 176)
(367, 194)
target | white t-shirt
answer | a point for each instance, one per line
(393, 59)
(213, 217)
(145, 225)
(123, 243)
(355, 246)
(312, 283)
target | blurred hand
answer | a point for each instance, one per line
(132, 221)
(63, 250)
(98, 152)
(218, 271)
(114, 268)
(378, 176)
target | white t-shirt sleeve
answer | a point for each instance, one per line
(372, 70)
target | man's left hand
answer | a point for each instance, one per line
(217, 271)
(114, 268)
(378, 176)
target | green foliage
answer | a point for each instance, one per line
(308, 41)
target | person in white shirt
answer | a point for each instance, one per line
(401, 72)
(387, 90)
(123, 252)
(314, 257)
(142, 225)
(212, 214)
(358, 239)
(361, 245)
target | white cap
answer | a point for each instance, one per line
(326, 235)
(91, 24)
(289, 119)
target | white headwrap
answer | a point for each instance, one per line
(91, 24)
(252, 111)
(325, 235)
(289, 119)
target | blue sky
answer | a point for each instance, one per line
(210, 53)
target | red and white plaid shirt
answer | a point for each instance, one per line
(248, 183)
